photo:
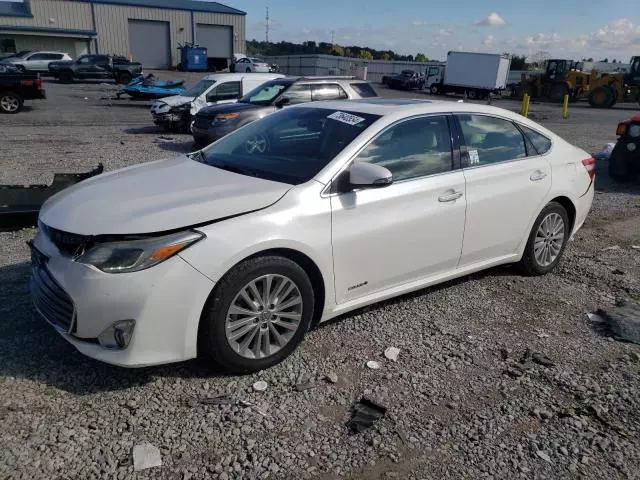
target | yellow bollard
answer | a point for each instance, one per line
(526, 106)
(524, 101)
(565, 107)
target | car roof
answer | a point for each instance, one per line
(396, 109)
(237, 76)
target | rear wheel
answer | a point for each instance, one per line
(257, 314)
(124, 77)
(10, 102)
(547, 241)
(248, 70)
(434, 90)
(621, 164)
(602, 97)
(472, 94)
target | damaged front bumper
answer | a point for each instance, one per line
(20, 204)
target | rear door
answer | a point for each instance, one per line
(84, 66)
(507, 183)
(37, 62)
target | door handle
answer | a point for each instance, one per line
(450, 196)
(537, 176)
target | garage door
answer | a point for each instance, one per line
(150, 43)
(217, 39)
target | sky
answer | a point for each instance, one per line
(563, 29)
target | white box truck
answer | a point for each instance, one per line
(476, 74)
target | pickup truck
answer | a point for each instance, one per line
(117, 68)
(16, 87)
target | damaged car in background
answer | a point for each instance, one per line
(175, 113)
(309, 213)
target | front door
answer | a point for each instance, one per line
(507, 184)
(409, 230)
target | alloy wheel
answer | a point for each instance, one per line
(549, 239)
(9, 103)
(264, 316)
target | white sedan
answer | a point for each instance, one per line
(252, 64)
(235, 251)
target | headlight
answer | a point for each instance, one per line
(224, 117)
(135, 255)
(634, 131)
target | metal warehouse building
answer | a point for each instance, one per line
(148, 30)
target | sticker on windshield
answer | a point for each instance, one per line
(346, 118)
(474, 158)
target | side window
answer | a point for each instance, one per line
(84, 60)
(37, 56)
(491, 140)
(541, 143)
(101, 59)
(413, 148)
(298, 93)
(327, 91)
(365, 90)
(225, 91)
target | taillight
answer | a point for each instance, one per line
(38, 84)
(27, 83)
(590, 165)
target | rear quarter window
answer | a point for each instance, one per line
(541, 143)
(365, 90)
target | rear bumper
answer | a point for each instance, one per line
(35, 95)
(583, 207)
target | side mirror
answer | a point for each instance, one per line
(369, 175)
(282, 102)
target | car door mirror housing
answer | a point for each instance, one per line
(369, 175)
(282, 102)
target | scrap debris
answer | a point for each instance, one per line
(146, 455)
(622, 322)
(260, 386)
(365, 413)
(373, 365)
(392, 353)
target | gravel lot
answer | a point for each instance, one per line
(453, 412)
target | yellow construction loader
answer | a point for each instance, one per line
(561, 77)
(611, 88)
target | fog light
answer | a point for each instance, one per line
(631, 147)
(118, 335)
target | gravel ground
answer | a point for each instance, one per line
(457, 405)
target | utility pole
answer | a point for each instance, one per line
(332, 36)
(267, 25)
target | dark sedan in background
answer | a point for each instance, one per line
(406, 80)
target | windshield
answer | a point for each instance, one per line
(289, 146)
(266, 93)
(198, 89)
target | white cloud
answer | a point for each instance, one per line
(446, 32)
(488, 40)
(491, 20)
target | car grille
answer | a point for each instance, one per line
(69, 243)
(51, 300)
(202, 122)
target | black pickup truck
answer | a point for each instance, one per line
(16, 87)
(117, 68)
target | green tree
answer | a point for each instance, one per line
(386, 56)
(337, 51)
(518, 62)
(366, 55)
(421, 57)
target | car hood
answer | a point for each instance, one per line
(156, 197)
(175, 100)
(233, 108)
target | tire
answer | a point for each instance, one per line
(602, 97)
(557, 93)
(10, 102)
(21, 68)
(213, 340)
(530, 264)
(124, 78)
(248, 70)
(621, 164)
(434, 90)
(65, 77)
(472, 94)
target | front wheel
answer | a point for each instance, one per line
(622, 164)
(433, 90)
(248, 70)
(547, 241)
(257, 314)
